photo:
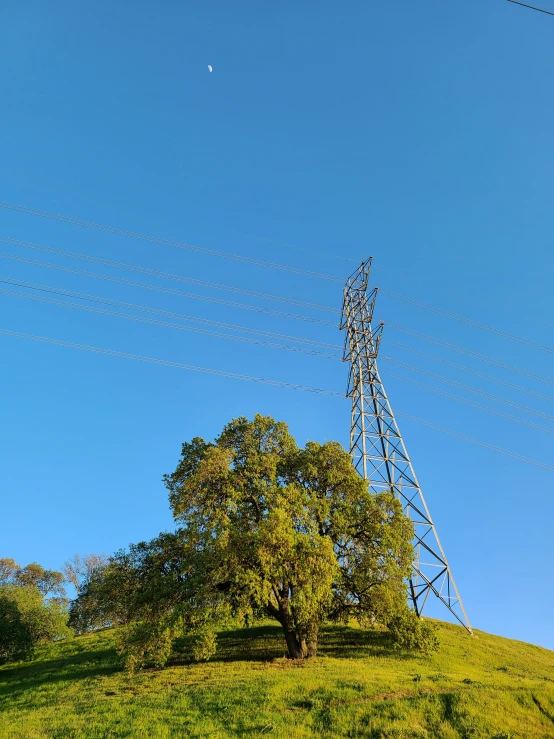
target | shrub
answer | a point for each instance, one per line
(204, 645)
(143, 644)
(412, 633)
(26, 619)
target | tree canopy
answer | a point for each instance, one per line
(265, 528)
(27, 619)
(50, 583)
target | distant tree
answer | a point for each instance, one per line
(50, 583)
(79, 569)
(27, 619)
(104, 594)
(8, 569)
(266, 529)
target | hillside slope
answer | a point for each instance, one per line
(357, 687)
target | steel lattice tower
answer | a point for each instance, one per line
(378, 450)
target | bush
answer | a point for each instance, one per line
(412, 633)
(204, 645)
(26, 619)
(16, 641)
(143, 644)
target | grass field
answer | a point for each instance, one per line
(358, 687)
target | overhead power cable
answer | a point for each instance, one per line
(227, 303)
(470, 370)
(275, 383)
(469, 322)
(531, 7)
(471, 403)
(164, 275)
(478, 442)
(168, 242)
(296, 247)
(470, 353)
(159, 288)
(155, 239)
(159, 311)
(269, 334)
(267, 311)
(166, 324)
(272, 265)
(469, 388)
(169, 363)
(280, 347)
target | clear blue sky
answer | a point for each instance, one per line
(420, 133)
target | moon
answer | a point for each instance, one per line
(210, 68)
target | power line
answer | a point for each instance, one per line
(478, 442)
(164, 275)
(469, 321)
(169, 363)
(278, 242)
(470, 389)
(236, 257)
(168, 242)
(240, 290)
(470, 370)
(282, 347)
(244, 291)
(531, 7)
(470, 353)
(471, 403)
(275, 383)
(177, 326)
(229, 288)
(275, 335)
(158, 288)
(159, 311)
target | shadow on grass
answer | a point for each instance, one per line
(345, 641)
(262, 643)
(85, 664)
(266, 643)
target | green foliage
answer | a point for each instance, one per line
(8, 570)
(204, 645)
(48, 582)
(16, 641)
(293, 533)
(102, 599)
(144, 644)
(412, 633)
(26, 619)
(358, 688)
(266, 529)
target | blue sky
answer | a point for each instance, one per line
(419, 133)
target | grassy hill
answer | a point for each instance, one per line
(358, 687)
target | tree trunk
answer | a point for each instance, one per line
(300, 644)
(309, 642)
(295, 650)
(294, 645)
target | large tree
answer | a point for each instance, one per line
(266, 528)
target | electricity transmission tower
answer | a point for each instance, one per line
(378, 451)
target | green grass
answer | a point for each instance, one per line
(358, 687)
